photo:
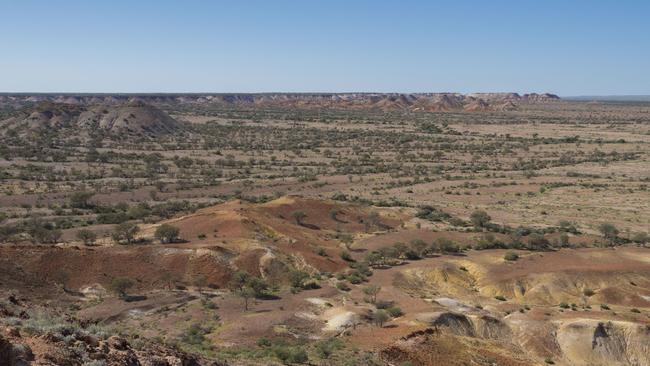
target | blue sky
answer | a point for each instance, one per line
(564, 47)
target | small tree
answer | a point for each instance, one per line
(247, 287)
(372, 291)
(299, 216)
(167, 233)
(380, 317)
(480, 219)
(246, 293)
(200, 282)
(610, 232)
(125, 232)
(120, 285)
(86, 236)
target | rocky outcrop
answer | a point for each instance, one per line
(458, 324)
(136, 117)
(115, 350)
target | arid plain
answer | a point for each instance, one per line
(324, 229)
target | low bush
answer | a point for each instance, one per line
(511, 256)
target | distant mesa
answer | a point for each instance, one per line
(415, 102)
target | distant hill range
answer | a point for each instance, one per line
(425, 102)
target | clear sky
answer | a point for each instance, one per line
(566, 47)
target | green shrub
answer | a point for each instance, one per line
(346, 256)
(480, 218)
(395, 311)
(342, 286)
